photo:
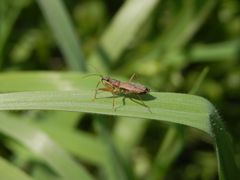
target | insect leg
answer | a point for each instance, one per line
(115, 91)
(139, 97)
(113, 102)
(131, 77)
(108, 89)
(96, 90)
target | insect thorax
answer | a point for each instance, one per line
(110, 81)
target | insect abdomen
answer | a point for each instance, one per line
(131, 88)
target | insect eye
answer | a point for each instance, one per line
(105, 78)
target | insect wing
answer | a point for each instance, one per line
(133, 88)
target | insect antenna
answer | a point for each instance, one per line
(89, 75)
(93, 74)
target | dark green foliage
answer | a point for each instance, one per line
(180, 46)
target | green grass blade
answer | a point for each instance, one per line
(60, 23)
(134, 129)
(123, 29)
(9, 12)
(41, 145)
(184, 109)
(188, 21)
(94, 150)
(8, 171)
(178, 108)
(199, 81)
(118, 168)
(171, 147)
(215, 52)
(227, 169)
(51, 117)
(30, 81)
(173, 142)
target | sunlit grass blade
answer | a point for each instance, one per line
(51, 117)
(181, 108)
(30, 81)
(171, 147)
(39, 173)
(133, 129)
(8, 171)
(199, 81)
(60, 23)
(215, 52)
(188, 21)
(94, 150)
(122, 30)
(41, 145)
(8, 16)
(118, 168)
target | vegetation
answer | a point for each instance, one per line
(185, 51)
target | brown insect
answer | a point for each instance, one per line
(117, 87)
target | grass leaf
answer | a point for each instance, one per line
(60, 23)
(178, 108)
(122, 30)
(8, 171)
(118, 168)
(41, 145)
(9, 12)
(184, 109)
(215, 52)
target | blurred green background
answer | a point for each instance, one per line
(167, 43)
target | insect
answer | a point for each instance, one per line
(117, 87)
